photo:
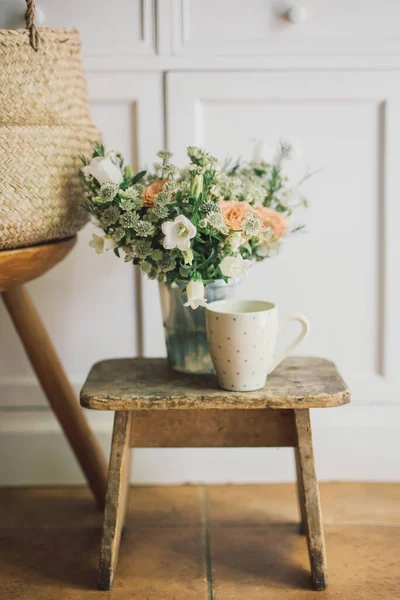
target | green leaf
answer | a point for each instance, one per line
(116, 252)
(207, 261)
(138, 177)
(196, 254)
(218, 237)
(98, 149)
(85, 160)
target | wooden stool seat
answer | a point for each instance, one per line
(150, 384)
(16, 268)
(24, 264)
(157, 407)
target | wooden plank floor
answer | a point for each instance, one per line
(202, 543)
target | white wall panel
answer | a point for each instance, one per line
(340, 271)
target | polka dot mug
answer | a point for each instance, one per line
(242, 338)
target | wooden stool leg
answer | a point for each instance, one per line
(116, 499)
(57, 388)
(312, 506)
(300, 494)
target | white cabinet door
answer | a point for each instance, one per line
(293, 30)
(342, 273)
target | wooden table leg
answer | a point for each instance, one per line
(311, 506)
(57, 388)
(300, 494)
(116, 499)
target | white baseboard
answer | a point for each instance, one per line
(351, 443)
(17, 393)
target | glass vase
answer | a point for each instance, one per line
(185, 328)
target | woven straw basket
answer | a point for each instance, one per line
(44, 126)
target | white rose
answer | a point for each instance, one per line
(178, 233)
(234, 266)
(195, 293)
(104, 169)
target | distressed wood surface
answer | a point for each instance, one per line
(150, 384)
(24, 264)
(116, 499)
(310, 501)
(213, 429)
(300, 492)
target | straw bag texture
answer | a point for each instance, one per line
(44, 126)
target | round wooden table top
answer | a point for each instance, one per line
(23, 264)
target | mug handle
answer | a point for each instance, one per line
(305, 328)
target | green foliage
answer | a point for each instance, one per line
(138, 177)
(98, 149)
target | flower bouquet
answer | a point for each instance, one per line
(196, 230)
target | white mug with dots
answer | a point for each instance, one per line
(242, 338)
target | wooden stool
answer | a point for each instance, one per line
(16, 268)
(172, 410)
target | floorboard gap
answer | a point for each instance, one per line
(207, 544)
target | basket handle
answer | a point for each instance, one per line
(30, 24)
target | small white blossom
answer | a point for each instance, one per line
(235, 240)
(101, 243)
(110, 216)
(213, 163)
(170, 170)
(215, 191)
(234, 266)
(178, 233)
(144, 228)
(171, 186)
(164, 154)
(252, 225)
(104, 169)
(108, 191)
(195, 293)
(195, 152)
(253, 193)
(228, 187)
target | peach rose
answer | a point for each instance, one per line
(234, 213)
(152, 190)
(274, 220)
